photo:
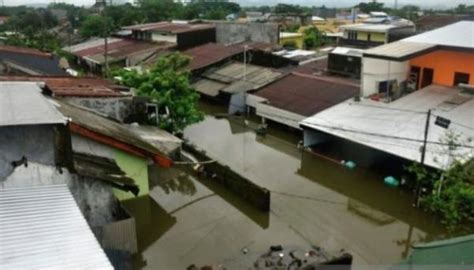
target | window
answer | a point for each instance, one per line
(460, 77)
(352, 35)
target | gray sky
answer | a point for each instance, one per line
(337, 3)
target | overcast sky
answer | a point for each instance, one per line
(337, 3)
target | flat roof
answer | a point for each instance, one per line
(305, 94)
(290, 35)
(382, 125)
(378, 28)
(400, 50)
(460, 34)
(43, 228)
(22, 103)
(348, 51)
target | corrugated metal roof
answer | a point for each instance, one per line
(209, 87)
(22, 50)
(375, 28)
(357, 121)
(169, 27)
(211, 53)
(74, 86)
(306, 95)
(42, 227)
(23, 104)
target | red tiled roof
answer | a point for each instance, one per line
(307, 95)
(74, 87)
(169, 27)
(211, 53)
(22, 50)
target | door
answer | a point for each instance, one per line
(428, 74)
(414, 79)
(460, 77)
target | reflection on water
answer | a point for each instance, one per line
(195, 221)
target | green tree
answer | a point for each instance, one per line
(313, 38)
(95, 26)
(369, 7)
(167, 84)
(286, 8)
(450, 192)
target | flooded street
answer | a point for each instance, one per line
(313, 202)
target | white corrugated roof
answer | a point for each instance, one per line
(460, 34)
(21, 103)
(43, 228)
(377, 28)
(359, 121)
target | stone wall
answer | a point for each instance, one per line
(257, 196)
(233, 32)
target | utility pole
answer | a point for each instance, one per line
(106, 42)
(423, 155)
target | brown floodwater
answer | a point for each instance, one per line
(188, 220)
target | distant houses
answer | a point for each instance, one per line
(427, 77)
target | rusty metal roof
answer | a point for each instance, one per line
(305, 94)
(210, 54)
(21, 50)
(169, 27)
(74, 87)
(118, 48)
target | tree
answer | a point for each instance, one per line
(313, 38)
(286, 8)
(167, 84)
(448, 193)
(95, 26)
(369, 7)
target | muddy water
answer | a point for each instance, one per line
(188, 220)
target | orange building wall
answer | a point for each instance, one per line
(445, 64)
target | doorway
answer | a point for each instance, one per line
(428, 74)
(460, 77)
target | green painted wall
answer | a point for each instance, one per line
(377, 37)
(135, 168)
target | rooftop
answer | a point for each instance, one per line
(35, 61)
(460, 34)
(290, 35)
(348, 51)
(211, 53)
(23, 104)
(376, 28)
(457, 35)
(118, 49)
(398, 127)
(305, 94)
(42, 227)
(74, 86)
(169, 27)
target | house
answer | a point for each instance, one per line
(42, 227)
(185, 35)
(414, 92)
(370, 34)
(345, 61)
(440, 56)
(26, 61)
(293, 40)
(120, 52)
(102, 95)
(296, 96)
(234, 78)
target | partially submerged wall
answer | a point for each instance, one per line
(243, 187)
(234, 32)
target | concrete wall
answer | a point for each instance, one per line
(134, 167)
(157, 36)
(116, 108)
(376, 70)
(35, 142)
(233, 32)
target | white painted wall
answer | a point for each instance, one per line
(376, 70)
(160, 37)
